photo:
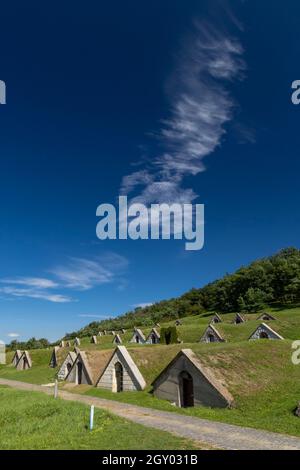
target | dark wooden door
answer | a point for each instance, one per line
(187, 390)
(79, 372)
(119, 376)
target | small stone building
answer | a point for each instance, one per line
(117, 339)
(77, 342)
(62, 344)
(264, 331)
(186, 382)
(121, 373)
(16, 357)
(138, 337)
(178, 323)
(216, 318)
(153, 337)
(211, 335)
(99, 333)
(66, 365)
(24, 362)
(88, 366)
(265, 317)
(238, 319)
(80, 372)
(94, 339)
(54, 359)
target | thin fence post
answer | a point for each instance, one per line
(92, 417)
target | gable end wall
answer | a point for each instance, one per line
(205, 394)
(107, 379)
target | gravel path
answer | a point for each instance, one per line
(220, 435)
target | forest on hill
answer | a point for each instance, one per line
(267, 281)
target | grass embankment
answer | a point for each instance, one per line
(40, 373)
(31, 420)
(259, 374)
(287, 324)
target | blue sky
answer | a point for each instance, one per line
(188, 99)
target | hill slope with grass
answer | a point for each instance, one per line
(274, 280)
(259, 374)
(287, 324)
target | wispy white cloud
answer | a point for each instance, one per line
(13, 335)
(245, 134)
(38, 282)
(76, 274)
(91, 315)
(201, 105)
(35, 294)
(142, 305)
(83, 274)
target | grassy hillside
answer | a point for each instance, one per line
(259, 374)
(287, 324)
(269, 281)
(31, 420)
(40, 373)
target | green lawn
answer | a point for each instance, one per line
(31, 420)
(40, 373)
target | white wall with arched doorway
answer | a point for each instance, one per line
(121, 366)
(79, 373)
(66, 366)
(264, 331)
(185, 383)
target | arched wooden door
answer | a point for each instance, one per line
(79, 373)
(119, 376)
(186, 389)
(211, 338)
